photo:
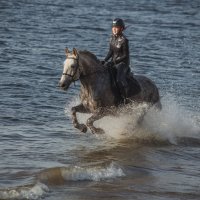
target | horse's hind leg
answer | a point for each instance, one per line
(79, 108)
(96, 116)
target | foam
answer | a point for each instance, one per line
(95, 173)
(25, 192)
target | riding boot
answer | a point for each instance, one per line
(125, 95)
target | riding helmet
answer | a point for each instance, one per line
(118, 22)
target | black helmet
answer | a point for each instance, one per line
(118, 22)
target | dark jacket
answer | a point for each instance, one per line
(119, 50)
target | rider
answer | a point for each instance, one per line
(119, 55)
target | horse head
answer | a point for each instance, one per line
(71, 69)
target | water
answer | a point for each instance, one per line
(43, 156)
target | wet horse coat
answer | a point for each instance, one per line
(96, 92)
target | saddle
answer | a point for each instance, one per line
(133, 85)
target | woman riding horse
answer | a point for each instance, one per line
(97, 96)
(119, 55)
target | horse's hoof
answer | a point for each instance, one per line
(83, 128)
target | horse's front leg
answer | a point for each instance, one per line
(79, 108)
(96, 116)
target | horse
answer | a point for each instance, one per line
(96, 89)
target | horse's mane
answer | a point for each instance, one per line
(88, 53)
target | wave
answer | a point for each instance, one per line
(31, 192)
(61, 175)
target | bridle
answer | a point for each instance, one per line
(77, 68)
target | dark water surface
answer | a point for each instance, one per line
(43, 156)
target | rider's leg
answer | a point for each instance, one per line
(122, 70)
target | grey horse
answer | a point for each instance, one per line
(97, 94)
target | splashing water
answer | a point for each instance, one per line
(75, 101)
(168, 124)
(172, 122)
(125, 124)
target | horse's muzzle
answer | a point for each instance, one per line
(63, 85)
(60, 84)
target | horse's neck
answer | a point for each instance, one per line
(92, 80)
(93, 76)
(88, 65)
(89, 68)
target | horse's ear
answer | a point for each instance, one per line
(75, 52)
(66, 51)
